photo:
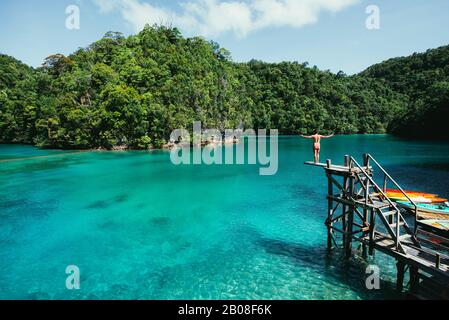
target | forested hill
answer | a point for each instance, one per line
(424, 79)
(135, 90)
(18, 100)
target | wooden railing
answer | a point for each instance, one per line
(381, 192)
(387, 177)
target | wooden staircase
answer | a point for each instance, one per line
(385, 208)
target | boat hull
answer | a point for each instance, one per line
(426, 208)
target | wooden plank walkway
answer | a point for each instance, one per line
(424, 259)
(336, 168)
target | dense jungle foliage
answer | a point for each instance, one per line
(133, 91)
(424, 79)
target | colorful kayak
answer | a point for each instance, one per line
(426, 207)
(420, 197)
(417, 199)
(412, 193)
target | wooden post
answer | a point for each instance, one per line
(371, 232)
(344, 207)
(414, 278)
(401, 271)
(365, 209)
(330, 210)
(350, 218)
(346, 161)
(365, 223)
(365, 160)
(370, 214)
(364, 251)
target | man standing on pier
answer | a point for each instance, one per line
(317, 144)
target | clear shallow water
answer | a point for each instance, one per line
(140, 228)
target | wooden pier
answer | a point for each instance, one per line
(371, 219)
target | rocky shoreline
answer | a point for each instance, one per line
(171, 145)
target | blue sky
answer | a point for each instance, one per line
(330, 34)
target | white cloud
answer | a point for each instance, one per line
(105, 5)
(214, 17)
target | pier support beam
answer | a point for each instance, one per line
(401, 272)
(366, 221)
(414, 278)
(364, 251)
(330, 211)
(345, 207)
(350, 225)
(371, 233)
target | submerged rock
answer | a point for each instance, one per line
(120, 148)
(38, 294)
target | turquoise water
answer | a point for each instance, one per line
(139, 227)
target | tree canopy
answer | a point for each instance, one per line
(424, 79)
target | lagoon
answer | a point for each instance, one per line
(139, 227)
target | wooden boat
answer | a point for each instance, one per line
(441, 224)
(435, 226)
(433, 208)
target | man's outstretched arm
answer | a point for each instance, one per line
(327, 137)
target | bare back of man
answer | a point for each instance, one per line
(317, 144)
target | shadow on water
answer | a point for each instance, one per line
(334, 266)
(98, 205)
(298, 191)
(18, 209)
(32, 166)
(103, 204)
(160, 221)
(121, 198)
